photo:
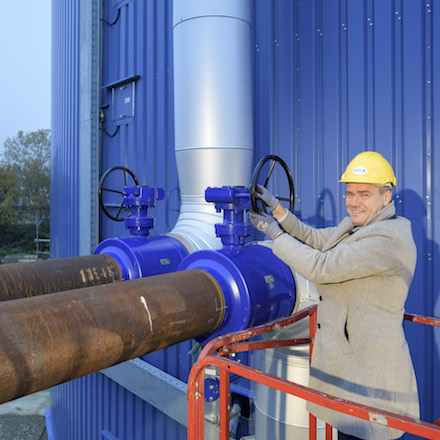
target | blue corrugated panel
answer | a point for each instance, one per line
(139, 45)
(65, 129)
(331, 78)
(336, 77)
(95, 407)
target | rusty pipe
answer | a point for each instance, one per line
(50, 339)
(23, 280)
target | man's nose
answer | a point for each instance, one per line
(354, 200)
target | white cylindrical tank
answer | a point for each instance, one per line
(279, 415)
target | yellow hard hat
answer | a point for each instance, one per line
(369, 167)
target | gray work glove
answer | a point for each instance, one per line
(265, 224)
(266, 197)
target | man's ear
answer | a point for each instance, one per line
(387, 198)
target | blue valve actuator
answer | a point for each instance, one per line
(140, 256)
(233, 201)
(139, 199)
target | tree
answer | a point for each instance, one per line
(28, 156)
(9, 196)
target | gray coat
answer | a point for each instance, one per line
(362, 275)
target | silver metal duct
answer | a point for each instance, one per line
(213, 109)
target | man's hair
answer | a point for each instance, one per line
(384, 188)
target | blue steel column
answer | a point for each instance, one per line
(64, 222)
(89, 144)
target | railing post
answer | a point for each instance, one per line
(312, 427)
(312, 326)
(224, 403)
(328, 432)
(196, 403)
(312, 418)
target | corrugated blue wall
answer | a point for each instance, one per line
(95, 407)
(331, 78)
(139, 45)
(64, 220)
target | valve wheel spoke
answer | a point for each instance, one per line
(112, 190)
(121, 207)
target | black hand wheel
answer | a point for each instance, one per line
(119, 206)
(256, 174)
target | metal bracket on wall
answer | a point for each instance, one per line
(123, 92)
(120, 3)
(159, 389)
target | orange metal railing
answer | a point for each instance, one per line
(217, 352)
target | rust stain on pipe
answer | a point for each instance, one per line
(23, 280)
(50, 339)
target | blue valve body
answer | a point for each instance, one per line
(258, 287)
(140, 257)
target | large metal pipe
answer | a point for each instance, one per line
(23, 280)
(50, 339)
(213, 109)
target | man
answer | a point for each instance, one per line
(362, 269)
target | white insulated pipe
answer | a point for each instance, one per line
(213, 109)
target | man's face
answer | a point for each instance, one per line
(363, 201)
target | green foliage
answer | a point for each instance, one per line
(24, 191)
(17, 239)
(28, 156)
(9, 196)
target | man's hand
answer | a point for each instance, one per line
(265, 224)
(266, 197)
(270, 201)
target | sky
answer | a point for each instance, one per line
(25, 68)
